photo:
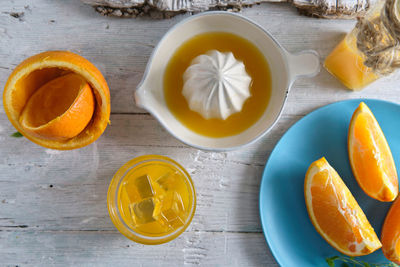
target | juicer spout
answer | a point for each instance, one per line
(140, 96)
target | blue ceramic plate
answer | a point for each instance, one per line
(292, 238)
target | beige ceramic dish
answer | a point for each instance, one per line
(285, 68)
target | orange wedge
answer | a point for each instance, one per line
(370, 156)
(67, 131)
(335, 213)
(60, 109)
(391, 233)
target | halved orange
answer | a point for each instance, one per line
(60, 109)
(370, 157)
(335, 213)
(38, 70)
(391, 233)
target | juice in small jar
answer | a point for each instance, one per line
(151, 199)
(371, 50)
(346, 63)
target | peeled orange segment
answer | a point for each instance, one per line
(38, 70)
(335, 213)
(391, 233)
(370, 156)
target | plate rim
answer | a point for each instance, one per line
(263, 179)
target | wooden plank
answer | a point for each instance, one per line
(44, 189)
(83, 248)
(122, 47)
(118, 47)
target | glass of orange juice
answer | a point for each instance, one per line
(151, 199)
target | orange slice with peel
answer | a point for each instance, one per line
(335, 213)
(391, 233)
(36, 71)
(60, 109)
(370, 157)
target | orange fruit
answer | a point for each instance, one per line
(33, 74)
(335, 213)
(391, 233)
(60, 109)
(370, 156)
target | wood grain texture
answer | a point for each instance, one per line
(226, 183)
(109, 248)
(53, 204)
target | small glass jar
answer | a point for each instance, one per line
(151, 181)
(371, 50)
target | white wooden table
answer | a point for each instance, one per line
(53, 204)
